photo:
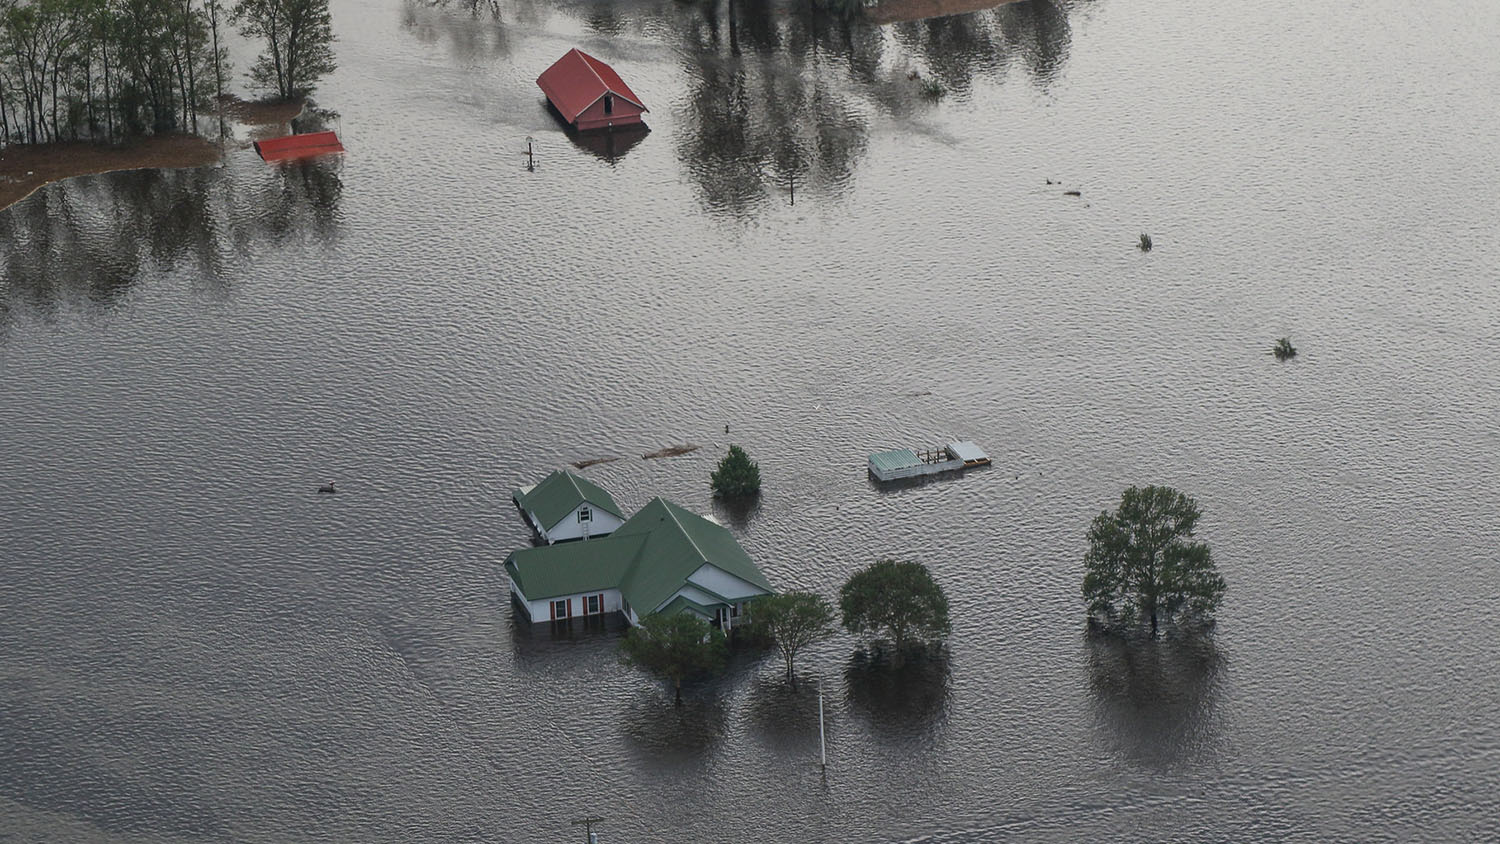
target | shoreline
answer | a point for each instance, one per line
(26, 168)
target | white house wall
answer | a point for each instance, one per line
(721, 582)
(541, 610)
(569, 527)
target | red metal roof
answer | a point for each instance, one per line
(577, 80)
(298, 146)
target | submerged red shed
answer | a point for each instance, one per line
(588, 93)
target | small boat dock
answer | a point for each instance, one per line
(910, 463)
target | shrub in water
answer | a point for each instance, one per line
(1283, 350)
(737, 475)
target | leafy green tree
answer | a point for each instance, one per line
(675, 647)
(898, 601)
(299, 43)
(737, 475)
(1142, 563)
(794, 620)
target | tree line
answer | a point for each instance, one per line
(1144, 570)
(109, 70)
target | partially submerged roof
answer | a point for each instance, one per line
(560, 493)
(648, 559)
(577, 81)
(901, 458)
(298, 146)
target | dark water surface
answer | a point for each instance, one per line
(194, 645)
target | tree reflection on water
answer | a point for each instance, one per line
(910, 700)
(87, 240)
(1156, 699)
(782, 95)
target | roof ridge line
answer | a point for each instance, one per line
(691, 541)
(590, 65)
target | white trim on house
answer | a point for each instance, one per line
(600, 523)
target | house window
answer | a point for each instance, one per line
(560, 609)
(593, 605)
(585, 514)
(609, 104)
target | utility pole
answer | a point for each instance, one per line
(588, 826)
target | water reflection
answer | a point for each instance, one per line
(1155, 699)
(787, 716)
(906, 700)
(88, 239)
(471, 29)
(736, 512)
(766, 117)
(609, 146)
(781, 95)
(958, 49)
(670, 733)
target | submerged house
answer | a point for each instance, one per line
(662, 559)
(564, 506)
(589, 94)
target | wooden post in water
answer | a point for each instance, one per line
(530, 155)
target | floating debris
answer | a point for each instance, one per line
(1284, 350)
(1145, 242)
(327, 488)
(1072, 193)
(584, 464)
(671, 451)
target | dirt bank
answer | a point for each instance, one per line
(25, 168)
(260, 112)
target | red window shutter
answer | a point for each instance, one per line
(570, 608)
(552, 605)
(601, 603)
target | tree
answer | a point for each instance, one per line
(896, 600)
(1141, 562)
(795, 620)
(737, 475)
(299, 43)
(675, 647)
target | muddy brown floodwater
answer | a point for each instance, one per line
(196, 646)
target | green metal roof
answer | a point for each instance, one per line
(678, 543)
(648, 559)
(561, 492)
(570, 568)
(681, 604)
(901, 458)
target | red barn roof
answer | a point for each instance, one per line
(577, 81)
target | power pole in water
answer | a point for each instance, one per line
(588, 826)
(822, 744)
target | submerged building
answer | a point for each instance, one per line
(589, 94)
(664, 559)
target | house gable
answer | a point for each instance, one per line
(725, 585)
(559, 496)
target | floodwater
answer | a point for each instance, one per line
(195, 645)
